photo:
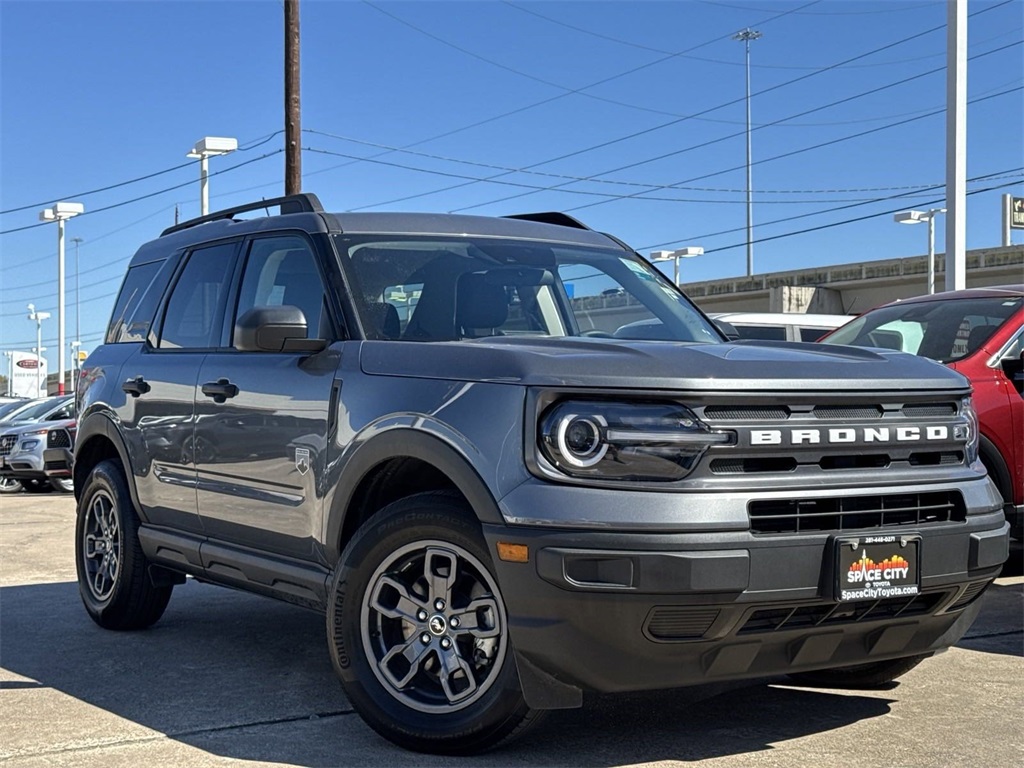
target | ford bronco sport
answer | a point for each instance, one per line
(511, 463)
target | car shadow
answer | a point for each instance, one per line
(247, 678)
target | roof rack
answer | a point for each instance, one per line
(550, 217)
(304, 202)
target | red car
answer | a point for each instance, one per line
(978, 333)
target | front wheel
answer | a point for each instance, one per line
(62, 484)
(861, 676)
(10, 485)
(418, 632)
(112, 568)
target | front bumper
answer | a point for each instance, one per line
(27, 465)
(609, 610)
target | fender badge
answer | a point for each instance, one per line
(302, 460)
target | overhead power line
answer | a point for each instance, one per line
(234, 167)
(820, 227)
(652, 49)
(258, 142)
(1017, 172)
(710, 142)
(648, 187)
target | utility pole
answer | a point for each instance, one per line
(292, 101)
(956, 144)
(746, 36)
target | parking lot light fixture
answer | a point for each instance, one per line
(60, 212)
(680, 253)
(38, 318)
(921, 217)
(204, 149)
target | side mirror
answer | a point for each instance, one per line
(728, 329)
(275, 329)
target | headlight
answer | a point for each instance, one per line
(659, 442)
(973, 434)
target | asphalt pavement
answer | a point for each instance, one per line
(227, 678)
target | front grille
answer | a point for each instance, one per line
(832, 614)
(58, 438)
(844, 412)
(677, 623)
(855, 512)
(746, 412)
(742, 466)
(7, 444)
(928, 410)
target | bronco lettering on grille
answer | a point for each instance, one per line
(901, 434)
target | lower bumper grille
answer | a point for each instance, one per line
(855, 512)
(831, 614)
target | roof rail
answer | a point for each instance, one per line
(550, 217)
(304, 202)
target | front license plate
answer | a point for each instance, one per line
(876, 567)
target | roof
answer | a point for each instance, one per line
(990, 292)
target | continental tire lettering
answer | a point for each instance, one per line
(338, 632)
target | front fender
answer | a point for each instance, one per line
(411, 443)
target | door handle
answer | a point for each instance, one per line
(220, 390)
(136, 386)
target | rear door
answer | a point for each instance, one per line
(159, 382)
(261, 442)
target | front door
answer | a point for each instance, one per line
(261, 425)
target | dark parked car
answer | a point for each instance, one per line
(978, 333)
(511, 463)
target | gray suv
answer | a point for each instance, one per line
(511, 463)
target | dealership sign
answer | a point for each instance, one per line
(1017, 212)
(27, 374)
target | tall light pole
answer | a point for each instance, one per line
(680, 253)
(204, 149)
(74, 345)
(746, 36)
(78, 297)
(919, 217)
(60, 213)
(38, 317)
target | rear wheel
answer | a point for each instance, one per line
(418, 632)
(112, 568)
(860, 676)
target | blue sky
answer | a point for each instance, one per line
(594, 108)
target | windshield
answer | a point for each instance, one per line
(445, 289)
(34, 409)
(944, 331)
(8, 408)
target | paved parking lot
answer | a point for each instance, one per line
(226, 677)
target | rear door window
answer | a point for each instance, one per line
(195, 310)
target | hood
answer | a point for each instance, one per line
(613, 364)
(21, 427)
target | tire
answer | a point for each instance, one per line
(404, 588)
(10, 485)
(862, 676)
(62, 484)
(112, 568)
(36, 486)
